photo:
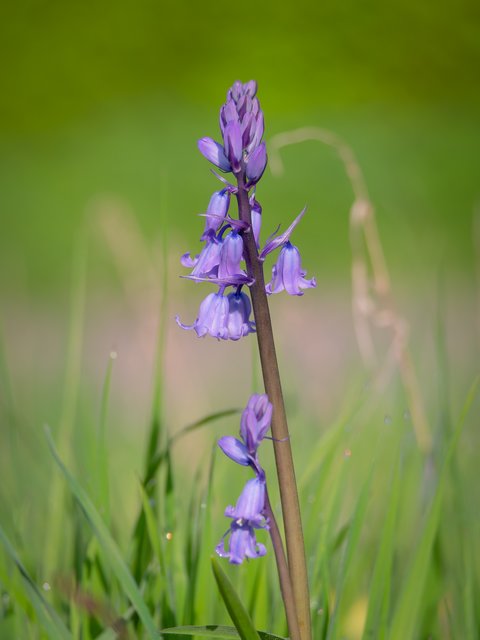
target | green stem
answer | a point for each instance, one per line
(281, 440)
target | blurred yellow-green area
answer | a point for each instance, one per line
(105, 98)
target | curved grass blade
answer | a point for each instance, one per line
(66, 426)
(47, 616)
(215, 631)
(156, 542)
(102, 451)
(106, 543)
(204, 421)
(154, 461)
(380, 586)
(235, 608)
(353, 537)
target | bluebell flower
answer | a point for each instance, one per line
(255, 421)
(215, 153)
(247, 515)
(212, 317)
(227, 317)
(249, 512)
(238, 321)
(256, 216)
(231, 255)
(251, 503)
(232, 137)
(223, 317)
(219, 260)
(254, 425)
(205, 264)
(288, 274)
(256, 163)
(242, 127)
(216, 211)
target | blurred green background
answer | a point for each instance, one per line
(107, 97)
(101, 105)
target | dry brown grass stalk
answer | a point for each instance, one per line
(372, 300)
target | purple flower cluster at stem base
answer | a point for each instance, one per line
(249, 512)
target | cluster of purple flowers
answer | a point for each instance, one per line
(227, 317)
(249, 512)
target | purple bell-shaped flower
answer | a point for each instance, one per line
(247, 515)
(212, 317)
(238, 322)
(287, 273)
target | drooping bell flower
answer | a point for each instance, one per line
(231, 255)
(216, 211)
(247, 515)
(223, 317)
(239, 324)
(205, 265)
(287, 273)
(212, 317)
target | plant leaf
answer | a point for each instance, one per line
(235, 608)
(47, 616)
(215, 631)
(107, 544)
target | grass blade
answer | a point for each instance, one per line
(102, 451)
(406, 614)
(235, 608)
(107, 544)
(69, 403)
(47, 616)
(353, 537)
(214, 631)
(380, 586)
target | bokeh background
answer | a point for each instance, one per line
(101, 106)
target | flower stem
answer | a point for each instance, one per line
(283, 574)
(283, 453)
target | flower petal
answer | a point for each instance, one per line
(256, 164)
(232, 138)
(235, 450)
(214, 153)
(274, 243)
(251, 503)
